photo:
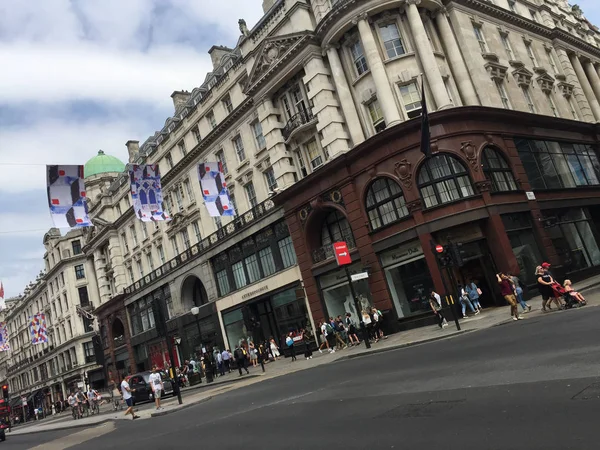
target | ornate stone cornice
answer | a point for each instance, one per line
(362, 16)
(527, 24)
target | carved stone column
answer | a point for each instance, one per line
(334, 138)
(457, 63)
(593, 78)
(385, 96)
(585, 86)
(425, 53)
(343, 91)
(572, 79)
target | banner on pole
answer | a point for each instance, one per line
(67, 196)
(214, 189)
(37, 328)
(146, 193)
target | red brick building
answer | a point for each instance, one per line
(513, 188)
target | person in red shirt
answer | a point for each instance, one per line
(507, 289)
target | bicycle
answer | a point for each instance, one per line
(95, 407)
(75, 412)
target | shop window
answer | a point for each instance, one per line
(385, 203)
(556, 165)
(497, 171)
(519, 230)
(574, 239)
(141, 315)
(443, 179)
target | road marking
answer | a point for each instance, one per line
(77, 438)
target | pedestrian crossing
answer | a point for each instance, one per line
(77, 438)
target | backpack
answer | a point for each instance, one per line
(289, 341)
(329, 328)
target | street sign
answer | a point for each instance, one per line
(359, 276)
(439, 248)
(342, 254)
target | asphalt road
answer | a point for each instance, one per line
(532, 384)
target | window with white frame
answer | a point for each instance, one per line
(392, 41)
(125, 244)
(301, 163)
(185, 237)
(228, 65)
(528, 99)
(239, 148)
(196, 133)
(210, 117)
(530, 53)
(258, 135)
(144, 231)
(478, 30)
(358, 57)
(182, 148)
(376, 115)
(314, 154)
(251, 194)
(140, 267)
(227, 103)
(169, 160)
(502, 92)
(179, 198)
(411, 99)
(270, 179)
(211, 84)
(551, 104)
(161, 253)
(197, 232)
(130, 272)
(188, 190)
(174, 245)
(221, 158)
(150, 261)
(507, 47)
(134, 238)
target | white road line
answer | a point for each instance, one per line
(77, 438)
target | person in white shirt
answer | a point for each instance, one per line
(156, 383)
(435, 301)
(324, 340)
(126, 391)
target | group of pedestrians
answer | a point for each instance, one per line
(340, 333)
(562, 296)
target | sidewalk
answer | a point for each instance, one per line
(203, 392)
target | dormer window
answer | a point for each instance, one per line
(228, 65)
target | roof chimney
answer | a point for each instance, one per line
(179, 98)
(133, 147)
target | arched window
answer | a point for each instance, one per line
(443, 179)
(385, 203)
(336, 228)
(497, 171)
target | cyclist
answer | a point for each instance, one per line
(72, 400)
(81, 399)
(92, 396)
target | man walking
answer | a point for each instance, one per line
(226, 357)
(241, 359)
(507, 289)
(126, 391)
(157, 385)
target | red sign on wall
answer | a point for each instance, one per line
(342, 255)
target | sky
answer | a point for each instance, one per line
(82, 75)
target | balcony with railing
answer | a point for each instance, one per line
(297, 122)
(325, 252)
(240, 223)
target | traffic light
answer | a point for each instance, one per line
(443, 255)
(457, 253)
(5, 392)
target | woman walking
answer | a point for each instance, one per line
(465, 301)
(519, 293)
(351, 328)
(435, 302)
(274, 348)
(545, 282)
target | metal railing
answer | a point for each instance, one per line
(326, 251)
(302, 118)
(239, 223)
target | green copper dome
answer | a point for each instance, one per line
(102, 163)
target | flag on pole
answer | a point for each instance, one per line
(425, 135)
(37, 328)
(4, 345)
(2, 302)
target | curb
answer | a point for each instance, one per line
(205, 385)
(181, 407)
(69, 427)
(405, 345)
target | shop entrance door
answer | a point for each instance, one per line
(480, 267)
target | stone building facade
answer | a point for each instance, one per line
(310, 84)
(45, 373)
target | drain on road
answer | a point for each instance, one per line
(427, 409)
(592, 392)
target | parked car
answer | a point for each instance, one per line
(143, 392)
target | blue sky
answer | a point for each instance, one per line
(83, 75)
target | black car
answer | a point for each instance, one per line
(143, 391)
